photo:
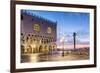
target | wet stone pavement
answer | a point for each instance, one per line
(40, 57)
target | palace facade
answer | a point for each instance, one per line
(38, 35)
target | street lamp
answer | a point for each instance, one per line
(62, 42)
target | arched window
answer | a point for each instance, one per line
(49, 30)
(36, 27)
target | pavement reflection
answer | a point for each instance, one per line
(40, 57)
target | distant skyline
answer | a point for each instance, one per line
(67, 23)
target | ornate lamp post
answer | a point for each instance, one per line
(62, 42)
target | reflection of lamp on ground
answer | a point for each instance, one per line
(62, 42)
(33, 58)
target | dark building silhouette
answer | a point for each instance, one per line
(37, 33)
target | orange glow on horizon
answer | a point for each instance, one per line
(72, 46)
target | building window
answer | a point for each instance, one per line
(49, 30)
(36, 27)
